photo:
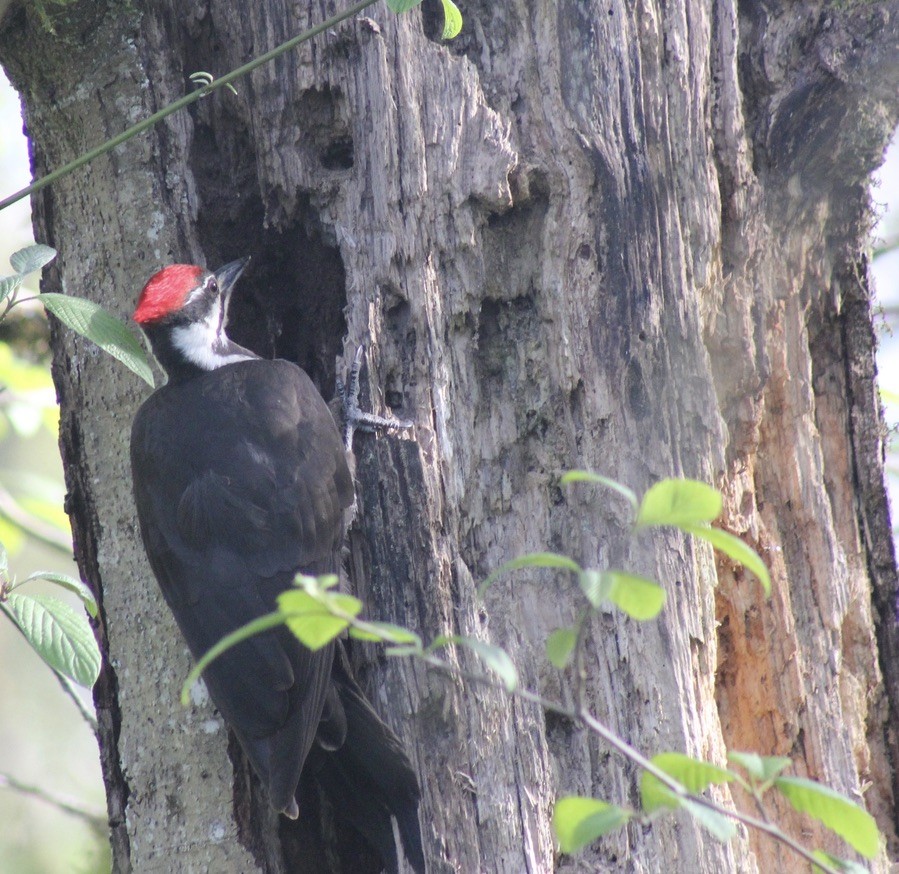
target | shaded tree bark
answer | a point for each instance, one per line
(628, 237)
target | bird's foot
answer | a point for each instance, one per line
(354, 418)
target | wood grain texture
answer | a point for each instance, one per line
(619, 236)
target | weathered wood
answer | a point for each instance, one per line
(618, 236)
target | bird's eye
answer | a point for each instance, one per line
(211, 284)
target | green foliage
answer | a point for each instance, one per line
(638, 597)
(451, 27)
(837, 813)
(580, 821)
(762, 770)
(680, 503)
(735, 549)
(693, 774)
(560, 646)
(452, 20)
(57, 633)
(317, 614)
(495, 657)
(60, 635)
(587, 476)
(535, 560)
(92, 321)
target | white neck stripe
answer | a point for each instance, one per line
(199, 342)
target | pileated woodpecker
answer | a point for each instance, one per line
(241, 481)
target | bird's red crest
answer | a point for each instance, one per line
(166, 292)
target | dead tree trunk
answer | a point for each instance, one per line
(621, 236)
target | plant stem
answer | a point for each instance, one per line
(193, 97)
(93, 817)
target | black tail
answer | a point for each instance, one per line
(369, 779)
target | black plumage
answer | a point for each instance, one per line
(241, 480)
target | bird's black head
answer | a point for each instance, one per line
(183, 311)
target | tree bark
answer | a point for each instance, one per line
(625, 237)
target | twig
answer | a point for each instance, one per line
(627, 751)
(32, 525)
(93, 816)
(69, 688)
(194, 96)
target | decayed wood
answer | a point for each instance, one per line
(616, 236)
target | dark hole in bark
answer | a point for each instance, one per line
(289, 303)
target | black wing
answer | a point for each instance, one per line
(241, 480)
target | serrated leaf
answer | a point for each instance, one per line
(31, 258)
(639, 597)
(385, 632)
(580, 821)
(8, 284)
(679, 502)
(716, 824)
(495, 657)
(533, 559)
(112, 336)
(452, 20)
(736, 549)
(560, 646)
(400, 6)
(693, 774)
(587, 476)
(760, 768)
(59, 635)
(66, 582)
(310, 619)
(842, 816)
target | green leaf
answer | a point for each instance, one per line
(560, 646)
(400, 6)
(593, 585)
(31, 258)
(639, 597)
(61, 636)
(312, 619)
(92, 321)
(257, 626)
(8, 284)
(717, 824)
(452, 20)
(736, 549)
(587, 476)
(495, 657)
(679, 502)
(853, 824)
(70, 583)
(760, 768)
(844, 865)
(533, 559)
(693, 774)
(580, 821)
(385, 632)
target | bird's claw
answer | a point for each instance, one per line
(354, 418)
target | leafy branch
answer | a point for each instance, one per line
(316, 613)
(452, 26)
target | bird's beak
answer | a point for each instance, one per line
(226, 276)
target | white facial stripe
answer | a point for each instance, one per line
(198, 342)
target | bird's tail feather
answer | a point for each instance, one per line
(370, 779)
